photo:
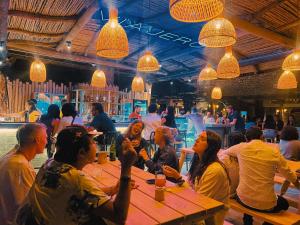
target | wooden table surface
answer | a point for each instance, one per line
(181, 205)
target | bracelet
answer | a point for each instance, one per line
(125, 178)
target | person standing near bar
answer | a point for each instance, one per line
(235, 119)
(16, 172)
(135, 115)
(151, 121)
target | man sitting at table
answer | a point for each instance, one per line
(165, 155)
(258, 163)
(16, 173)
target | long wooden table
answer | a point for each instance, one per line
(181, 205)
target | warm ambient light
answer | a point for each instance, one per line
(216, 93)
(98, 79)
(228, 66)
(137, 84)
(217, 33)
(112, 40)
(195, 10)
(292, 61)
(148, 63)
(287, 80)
(37, 71)
(208, 73)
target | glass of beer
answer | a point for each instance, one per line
(160, 180)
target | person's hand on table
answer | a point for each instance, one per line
(143, 153)
(171, 172)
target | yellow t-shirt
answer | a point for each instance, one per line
(61, 195)
(34, 116)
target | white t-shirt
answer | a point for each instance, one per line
(258, 163)
(214, 183)
(151, 121)
(16, 178)
(67, 120)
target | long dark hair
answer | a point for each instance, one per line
(289, 123)
(128, 132)
(270, 122)
(209, 156)
(53, 112)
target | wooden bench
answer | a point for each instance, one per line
(284, 218)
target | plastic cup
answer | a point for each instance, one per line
(102, 157)
(160, 180)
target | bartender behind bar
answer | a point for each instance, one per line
(31, 114)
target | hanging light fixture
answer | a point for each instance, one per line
(217, 33)
(138, 84)
(208, 73)
(228, 66)
(147, 63)
(292, 61)
(216, 93)
(287, 80)
(37, 71)
(112, 40)
(195, 10)
(98, 79)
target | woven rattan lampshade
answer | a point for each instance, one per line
(138, 84)
(287, 80)
(217, 33)
(112, 40)
(195, 10)
(98, 79)
(147, 63)
(208, 73)
(228, 66)
(292, 61)
(37, 71)
(216, 93)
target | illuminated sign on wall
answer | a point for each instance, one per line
(154, 31)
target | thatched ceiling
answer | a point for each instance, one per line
(266, 33)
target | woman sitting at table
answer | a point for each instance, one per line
(165, 155)
(134, 134)
(63, 194)
(207, 174)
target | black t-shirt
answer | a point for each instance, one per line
(240, 124)
(103, 123)
(140, 163)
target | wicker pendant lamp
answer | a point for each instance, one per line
(228, 66)
(292, 61)
(216, 93)
(98, 79)
(195, 10)
(208, 73)
(112, 40)
(147, 63)
(217, 33)
(37, 71)
(137, 84)
(287, 80)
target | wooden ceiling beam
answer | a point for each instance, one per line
(268, 7)
(34, 34)
(4, 4)
(65, 56)
(288, 26)
(262, 32)
(32, 43)
(81, 22)
(34, 16)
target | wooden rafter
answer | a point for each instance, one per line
(32, 43)
(262, 32)
(4, 4)
(34, 16)
(33, 34)
(266, 8)
(66, 56)
(92, 43)
(81, 22)
(289, 26)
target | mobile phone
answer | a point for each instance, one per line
(150, 181)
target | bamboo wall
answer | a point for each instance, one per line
(17, 93)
